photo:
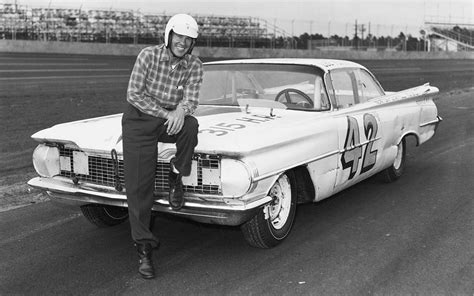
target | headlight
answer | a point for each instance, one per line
(46, 160)
(235, 177)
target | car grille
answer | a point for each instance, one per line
(102, 172)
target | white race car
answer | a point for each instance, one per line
(273, 133)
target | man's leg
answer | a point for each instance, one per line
(140, 138)
(186, 140)
(140, 155)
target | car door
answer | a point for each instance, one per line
(359, 131)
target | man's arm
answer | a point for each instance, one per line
(190, 100)
(191, 89)
(136, 94)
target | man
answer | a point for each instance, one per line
(162, 94)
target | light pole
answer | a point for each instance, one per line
(292, 34)
(329, 31)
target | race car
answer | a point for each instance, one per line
(273, 133)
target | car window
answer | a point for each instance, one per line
(367, 87)
(321, 100)
(354, 86)
(343, 82)
(296, 87)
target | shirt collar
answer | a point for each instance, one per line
(166, 57)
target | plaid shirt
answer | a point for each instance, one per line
(155, 88)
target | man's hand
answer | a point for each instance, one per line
(175, 121)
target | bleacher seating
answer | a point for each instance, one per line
(461, 37)
(19, 22)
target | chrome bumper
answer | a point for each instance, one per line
(225, 211)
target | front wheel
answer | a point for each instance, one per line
(273, 222)
(395, 171)
(104, 215)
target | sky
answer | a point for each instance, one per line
(328, 17)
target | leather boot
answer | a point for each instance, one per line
(176, 194)
(145, 267)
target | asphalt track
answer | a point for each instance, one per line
(414, 236)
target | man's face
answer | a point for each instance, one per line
(180, 44)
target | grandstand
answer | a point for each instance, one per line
(450, 37)
(112, 26)
(135, 27)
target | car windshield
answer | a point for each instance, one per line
(291, 86)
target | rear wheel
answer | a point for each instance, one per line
(273, 222)
(395, 171)
(104, 215)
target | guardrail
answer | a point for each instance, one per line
(25, 46)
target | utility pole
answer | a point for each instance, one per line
(355, 35)
(329, 32)
(378, 34)
(370, 36)
(406, 37)
(362, 30)
(274, 32)
(390, 39)
(343, 40)
(292, 34)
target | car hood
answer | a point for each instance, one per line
(228, 130)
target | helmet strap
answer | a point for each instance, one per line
(192, 46)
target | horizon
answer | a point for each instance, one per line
(328, 18)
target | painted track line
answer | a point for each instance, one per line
(53, 64)
(62, 70)
(45, 58)
(40, 228)
(63, 77)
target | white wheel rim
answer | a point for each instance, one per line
(398, 159)
(279, 209)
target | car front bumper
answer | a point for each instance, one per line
(223, 211)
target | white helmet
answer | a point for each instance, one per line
(182, 24)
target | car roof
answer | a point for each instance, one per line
(325, 64)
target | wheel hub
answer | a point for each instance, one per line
(279, 209)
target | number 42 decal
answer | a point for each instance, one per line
(353, 148)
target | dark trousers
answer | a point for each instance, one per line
(141, 133)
